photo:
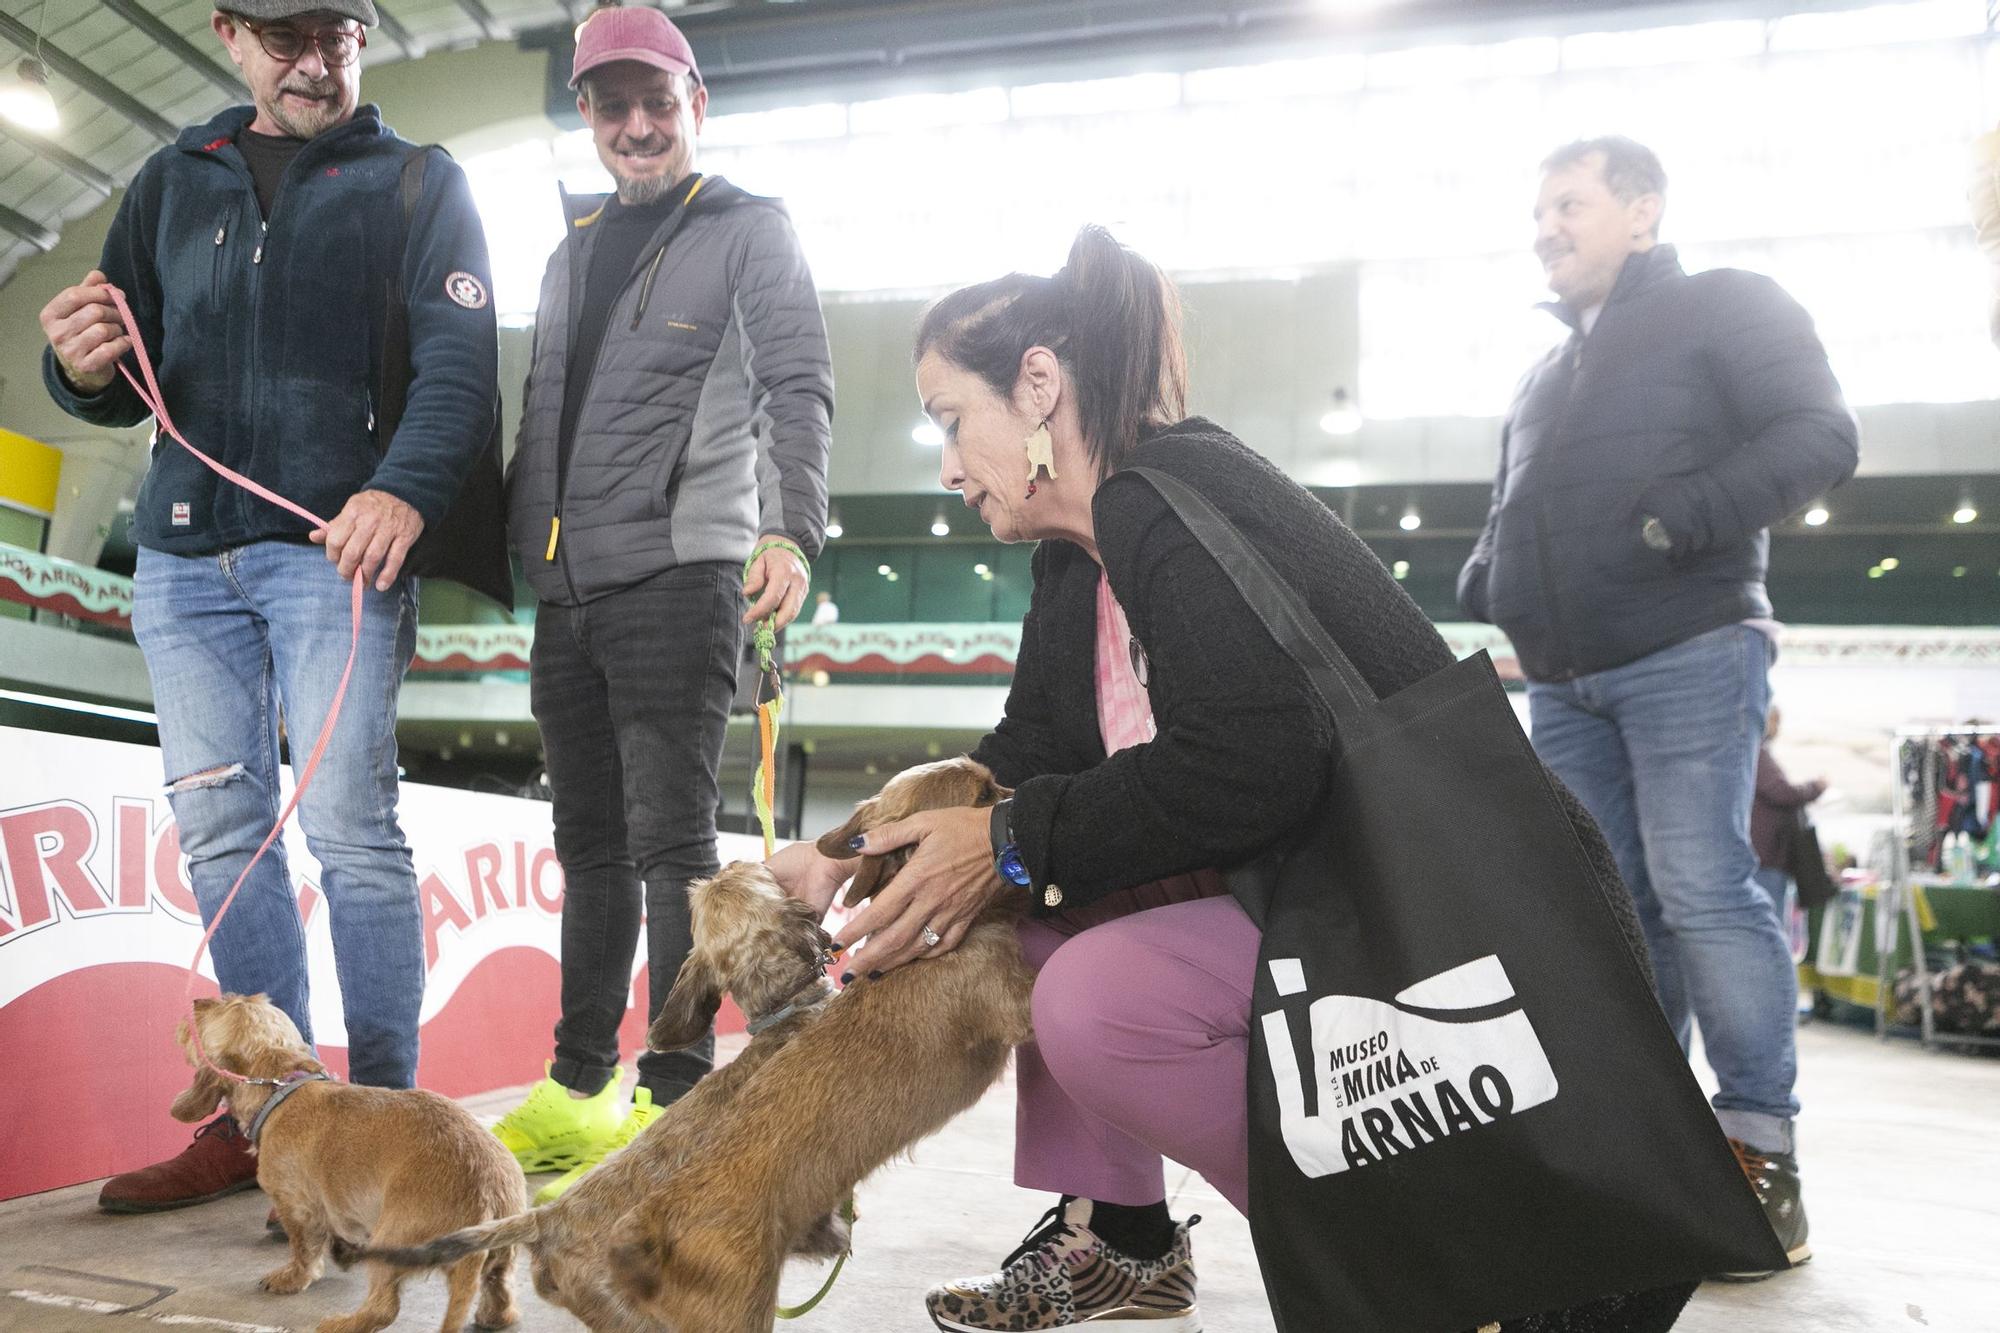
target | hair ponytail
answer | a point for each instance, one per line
(1111, 318)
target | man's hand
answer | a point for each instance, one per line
(806, 875)
(778, 582)
(373, 530)
(83, 327)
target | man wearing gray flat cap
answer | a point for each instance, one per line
(314, 293)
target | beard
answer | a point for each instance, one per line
(638, 191)
(314, 121)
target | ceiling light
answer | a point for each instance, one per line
(1965, 513)
(1816, 516)
(26, 100)
(940, 528)
(833, 528)
(1343, 418)
(1958, 571)
(979, 568)
(892, 576)
(1401, 569)
(927, 432)
(883, 569)
(1874, 571)
(1410, 521)
(1890, 562)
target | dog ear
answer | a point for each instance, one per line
(690, 1007)
(201, 1098)
(875, 872)
(834, 843)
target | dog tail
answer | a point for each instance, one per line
(520, 1229)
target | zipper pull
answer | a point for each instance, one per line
(263, 230)
(220, 232)
(555, 528)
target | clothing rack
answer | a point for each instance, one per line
(1902, 902)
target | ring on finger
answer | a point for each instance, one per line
(930, 938)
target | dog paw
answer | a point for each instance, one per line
(286, 1281)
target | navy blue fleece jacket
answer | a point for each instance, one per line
(266, 335)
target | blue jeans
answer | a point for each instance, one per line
(1663, 753)
(230, 641)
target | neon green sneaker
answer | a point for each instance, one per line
(553, 1131)
(642, 1114)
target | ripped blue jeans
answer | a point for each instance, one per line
(233, 642)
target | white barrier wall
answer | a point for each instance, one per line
(98, 924)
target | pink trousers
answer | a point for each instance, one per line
(1142, 1033)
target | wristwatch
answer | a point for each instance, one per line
(1654, 534)
(1006, 854)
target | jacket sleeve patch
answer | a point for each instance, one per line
(466, 290)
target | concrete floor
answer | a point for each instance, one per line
(1901, 1152)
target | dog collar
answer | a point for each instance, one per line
(816, 989)
(286, 1086)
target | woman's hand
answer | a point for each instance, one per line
(947, 882)
(808, 876)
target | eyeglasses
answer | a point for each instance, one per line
(338, 47)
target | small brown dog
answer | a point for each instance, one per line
(888, 1063)
(769, 952)
(347, 1164)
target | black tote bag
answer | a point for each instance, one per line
(1465, 1104)
(1806, 863)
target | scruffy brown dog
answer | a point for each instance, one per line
(888, 1063)
(348, 1164)
(769, 952)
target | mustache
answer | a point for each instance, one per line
(640, 146)
(310, 88)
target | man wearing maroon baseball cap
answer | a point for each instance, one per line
(673, 435)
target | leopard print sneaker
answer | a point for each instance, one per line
(1064, 1276)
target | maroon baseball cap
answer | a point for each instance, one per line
(641, 34)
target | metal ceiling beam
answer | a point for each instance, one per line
(29, 230)
(88, 79)
(402, 35)
(61, 157)
(180, 47)
(489, 27)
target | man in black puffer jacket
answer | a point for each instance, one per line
(1624, 553)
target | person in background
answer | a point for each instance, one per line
(254, 252)
(824, 610)
(1773, 814)
(1773, 818)
(1641, 466)
(671, 465)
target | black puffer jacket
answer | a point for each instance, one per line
(1704, 401)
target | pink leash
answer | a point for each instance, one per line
(149, 394)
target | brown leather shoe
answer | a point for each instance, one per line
(218, 1162)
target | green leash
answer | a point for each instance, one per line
(847, 1214)
(764, 796)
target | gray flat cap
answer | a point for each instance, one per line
(270, 11)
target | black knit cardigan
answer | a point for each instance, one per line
(1244, 749)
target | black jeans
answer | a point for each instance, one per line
(632, 695)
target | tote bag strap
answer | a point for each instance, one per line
(1282, 610)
